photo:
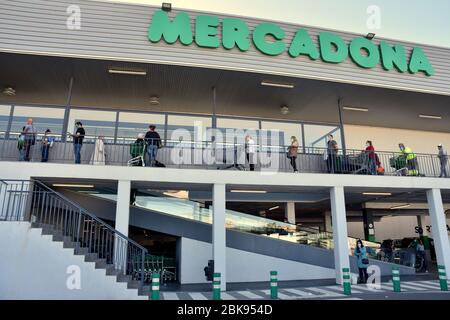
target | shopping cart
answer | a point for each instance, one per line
(137, 151)
(399, 163)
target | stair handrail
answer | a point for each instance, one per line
(90, 215)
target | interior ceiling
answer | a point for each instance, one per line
(45, 80)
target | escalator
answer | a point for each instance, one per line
(174, 214)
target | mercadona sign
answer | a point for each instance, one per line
(269, 39)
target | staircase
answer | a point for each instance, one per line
(74, 228)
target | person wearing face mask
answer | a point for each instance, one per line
(292, 153)
(362, 261)
(370, 150)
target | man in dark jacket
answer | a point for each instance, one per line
(153, 141)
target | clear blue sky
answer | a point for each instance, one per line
(422, 21)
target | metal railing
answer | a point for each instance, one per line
(35, 202)
(213, 156)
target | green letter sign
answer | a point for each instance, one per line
(269, 39)
(302, 44)
(259, 39)
(366, 61)
(393, 57)
(206, 32)
(180, 28)
(235, 32)
(419, 62)
(332, 48)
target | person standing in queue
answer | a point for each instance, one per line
(370, 150)
(443, 159)
(78, 137)
(153, 141)
(250, 150)
(30, 138)
(293, 152)
(332, 150)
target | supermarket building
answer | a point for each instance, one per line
(206, 81)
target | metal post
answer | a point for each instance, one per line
(341, 123)
(442, 278)
(155, 286)
(346, 281)
(273, 285)
(216, 286)
(396, 279)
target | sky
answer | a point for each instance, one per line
(421, 21)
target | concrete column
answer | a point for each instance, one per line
(341, 258)
(122, 223)
(219, 232)
(439, 229)
(123, 206)
(328, 223)
(369, 225)
(289, 212)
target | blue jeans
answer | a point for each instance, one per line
(77, 152)
(152, 151)
(45, 149)
(22, 154)
(372, 166)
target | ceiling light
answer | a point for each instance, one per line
(377, 193)
(248, 191)
(128, 72)
(274, 208)
(166, 6)
(9, 91)
(284, 110)
(277, 84)
(370, 35)
(356, 109)
(154, 100)
(425, 116)
(400, 206)
(73, 185)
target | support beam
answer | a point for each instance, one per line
(439, 229)
(341, 258)
(328, 222)
(122, 222)
(369, 225)
(219, 232)
(289, 212)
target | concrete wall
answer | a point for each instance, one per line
(32, 266)
(387, 139)
(244, 266)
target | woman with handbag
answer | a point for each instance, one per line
(362, 261)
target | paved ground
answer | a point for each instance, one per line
(428, 289)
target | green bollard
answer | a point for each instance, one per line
(155, 286)
(442, 278)
(346, 281)
(396, 279)
(216, 286)
(273, 285)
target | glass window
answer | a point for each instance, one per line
(316, 136)
(43, 119)
(132, 123)
(95, 122)
(245, 127)
(279, 133)
(184, 127)
(4, 119)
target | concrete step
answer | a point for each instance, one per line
(123, 278)
(90, 257)
(145, 291)
(100, 264)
